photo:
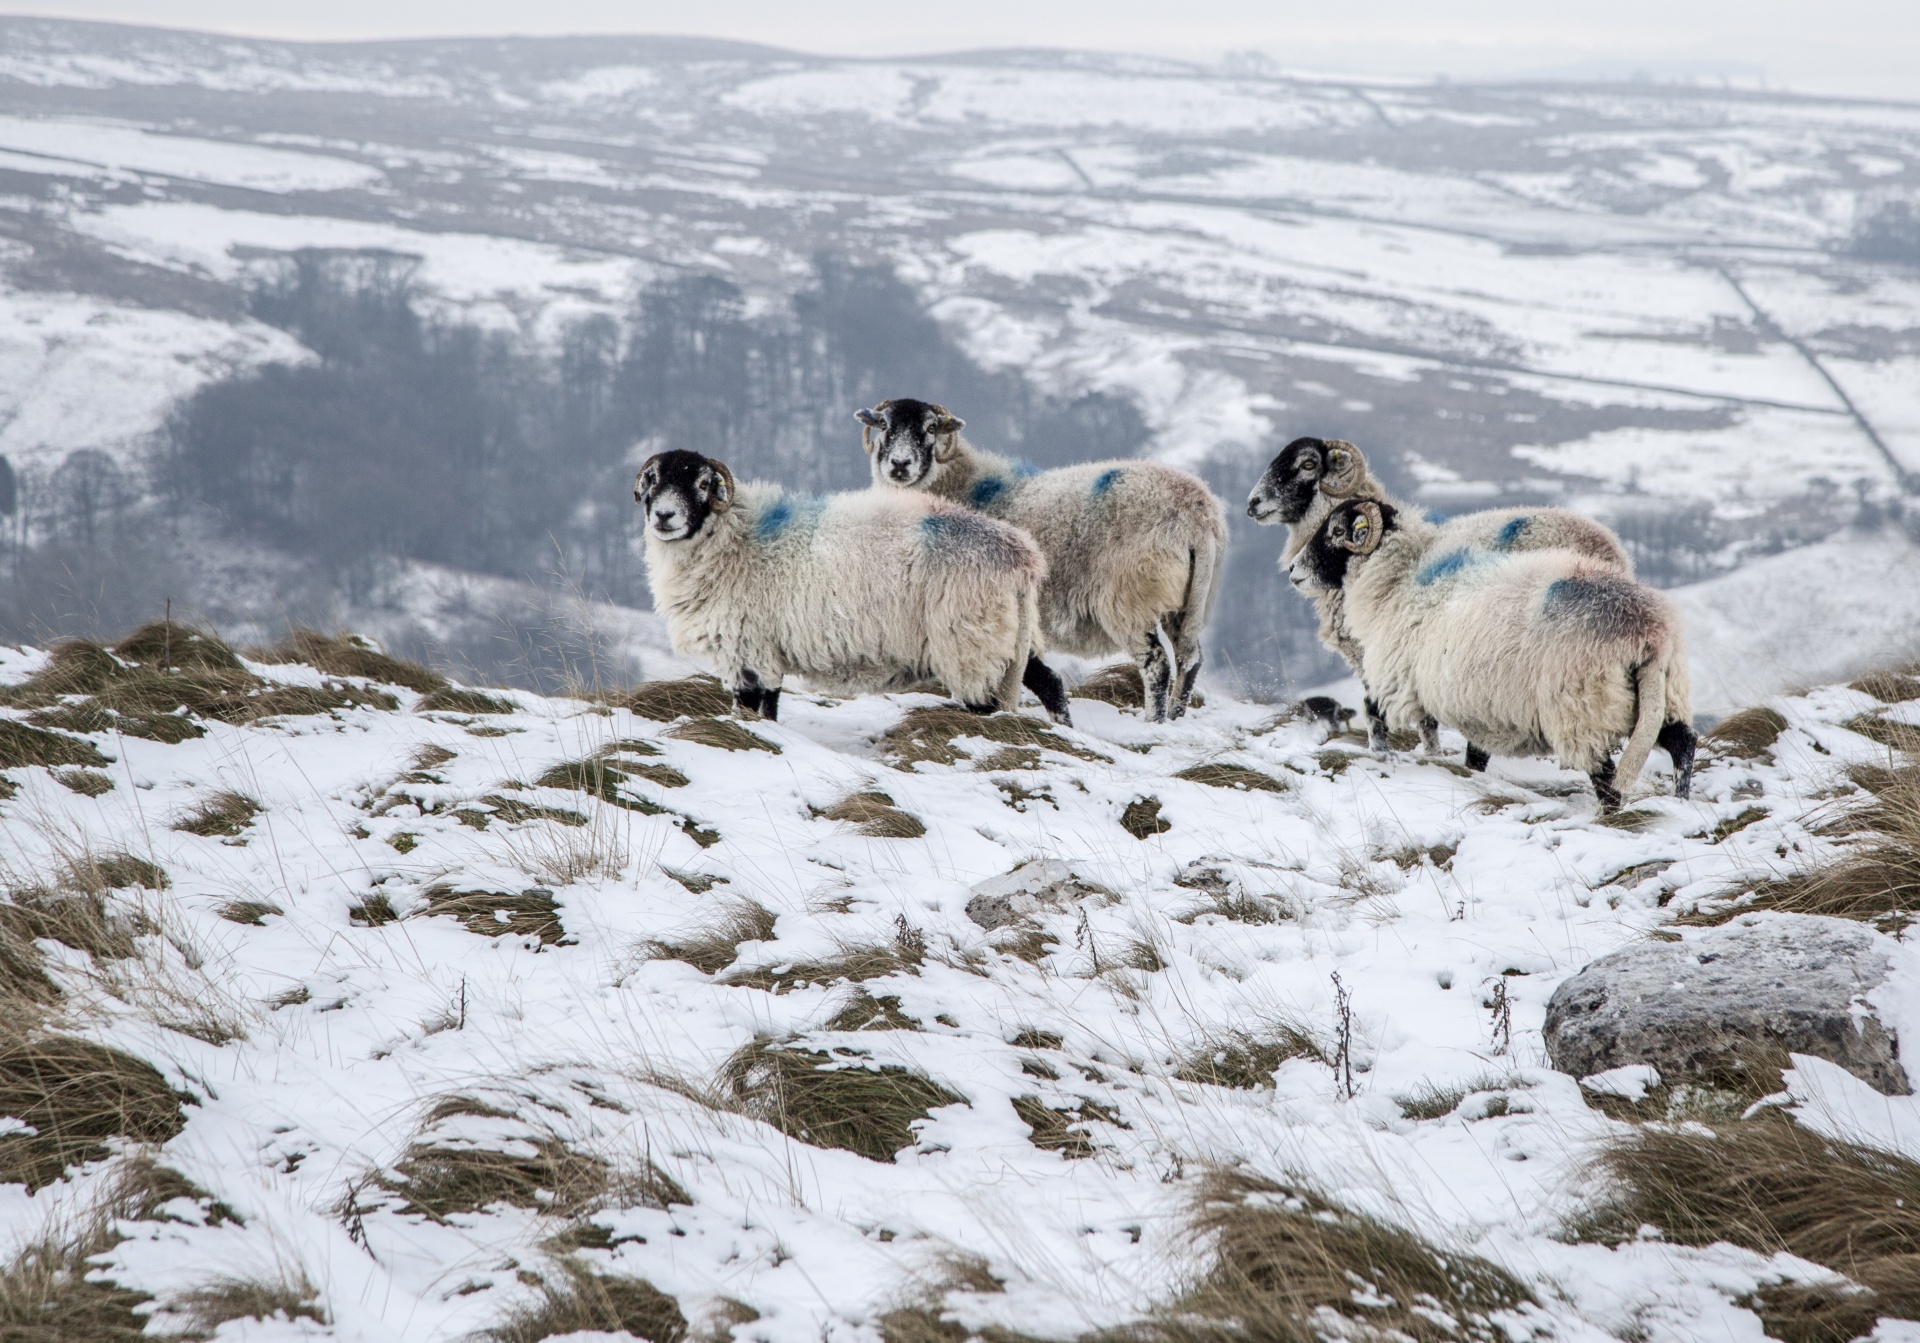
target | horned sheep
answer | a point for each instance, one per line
(1526, 652)
(854, 592)
(1134, 548)
(1311, 476)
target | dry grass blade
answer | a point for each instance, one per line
(78, 919)
(664, 701)
(833, 1102)
(223, 813)
(929, 734)
(582, 1301)
(1232, 776)
(75, 1094)
(1895, 736)
(350, 655)
(1247, 1059)
(1749, 734)
(875, 816)
(1769, 1185)
(713, 948)
(531, 913)
(1291, 1266)
(722, 734)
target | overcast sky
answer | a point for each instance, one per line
(1863, 47)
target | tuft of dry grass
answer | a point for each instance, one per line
(1141, 818)
(722, 734)
(459, 699)
(1748, 734)
(854, 963)
(1895, 736)
(86, 782)
(440, 1179)
(714, 947)
(223, 813)
(864, 1012)
(374, 911)
(1232, 776)
(1117, 683)
(531, 913)
(1876, 879)
(601, 778)
(1052, 1128)
(664, 701)
(51, 1292)
(929, 734)
(832, 1099)
(1770, 1185)
(349, 655)
(1289, 1265)
(516, 812)
(1248, 1059)
(1891, 686)
(22, 746)
(1333, 761)
(1434, 1100)
(76, 1094)
(253, 913)
(204, 1309)
(582, 1301)
(874, 815)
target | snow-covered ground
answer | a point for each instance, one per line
(1404, 883)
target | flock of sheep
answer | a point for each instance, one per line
(1523, 629)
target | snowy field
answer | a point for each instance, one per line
(543, 930)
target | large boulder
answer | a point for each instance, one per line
(1729, 998)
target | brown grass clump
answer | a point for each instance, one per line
(76, 1094)
(715, 947)
(1142, 818)
(439, 1180)
(664, 701)
(929, 734)
(830, 1101)
(1888, 733)
(1289, 1265)
(1052, 1129)
(458, 699)
(1117, 683)
(22, 746)
(253, 913)
(864, 1012)
(1889, 687)
(1749, 734)
(874, 815)
(517, 812)
(1232, 776)
(350, 655)
(532, 913)
(1432, 1100)
(50, 1291)
(1875, 880)
(205, 1308)
(86, 782)
(855, 964)
(1770, 1185)
(374, 911)
(582, 1301)
(721, 733)
(597, 777)
(78, 919)
(223, 813)
(1247, 1059)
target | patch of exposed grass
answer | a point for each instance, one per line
(51, 1291)
(86, 782)
(853, 963)
(1247, 1059)
(578, 1300)
(22, 746)
(1232, 776)
(722, 734)
(830, 1101)
(514, 811)
(76, 1094)
(350, 655)
(1009, 758)
(223, 813)
(459, 699)
(250, 912)
(1895, 736)
(597, 777)
(1890, 686)
(1634, 819)
(1032, 1038)
(1733, 825)
(1117, 683)
(864, 1012)
(664, 701)
(874, 815)
(1053, 1130)
(1334, 762)
(1290, 1265)
(374, 911)
(1435, 1100)
(1770, 1185)
(1748, 734)
(715, 946)
(76, 918)
(531, 913)
(930, 734)
(1141, 818)
(204, 1309)
(441, 1177)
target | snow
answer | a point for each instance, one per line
(1420, 887)
(132, 149)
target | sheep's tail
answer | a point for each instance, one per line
(1026, 643)
(1650, 686)
(1202, 576)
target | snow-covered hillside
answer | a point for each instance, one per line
(475, 999)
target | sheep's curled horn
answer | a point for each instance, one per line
(723, 497)
(1364, 534)
(947, 429)
(1345, 469)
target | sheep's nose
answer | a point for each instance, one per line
(1253, 506)
(663, 516)
(899, 470)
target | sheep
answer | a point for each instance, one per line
(855, 592)
(1134, 548)
(1529, 652)
(1311, 475)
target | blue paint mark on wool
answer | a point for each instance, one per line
(1025, 470)
(781, 514)
(985, 491)
(1510, 534)
(1446, 566)
(1104, 481)
(1435, 517)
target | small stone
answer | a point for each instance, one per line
(1013, 897)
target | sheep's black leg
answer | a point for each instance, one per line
(1376, 726)
(1430, 735)
(1188, 675)
(1156, 677)
(770, 704)
(982, 709)
(1603, 788)
(1477, 759)
(1047, 687)
(1678, 740)
(754, 695)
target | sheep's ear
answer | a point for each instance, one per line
(945, 428)
(1345, 469)
(1365, 529)
(873, 419)
(723, 487)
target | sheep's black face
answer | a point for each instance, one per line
(1286, 490)
(1352, 529)
(679, 491)
(906, 437)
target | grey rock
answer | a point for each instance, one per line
(1014, 897)
(1718, 1001)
